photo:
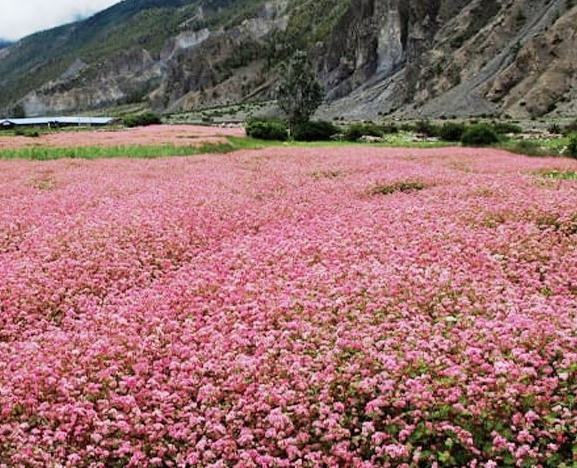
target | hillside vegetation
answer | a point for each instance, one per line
(406, 58)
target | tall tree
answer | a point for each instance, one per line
(299, 92)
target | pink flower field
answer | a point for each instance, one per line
(177, 135)
(349, 307)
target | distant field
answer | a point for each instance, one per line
(155, 135)
(353, 306)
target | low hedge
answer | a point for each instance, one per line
(572, 146)
(267, 129)
(142, 120)
(355, 131)
(315, 130)
(452, 131)
(481, 134)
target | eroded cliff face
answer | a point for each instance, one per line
(542, 77)
(121, 78)
(472, 62)
(455, 57)
(223, 67)
(418, 58)
(368, 41)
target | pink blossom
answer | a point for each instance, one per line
(268, 308)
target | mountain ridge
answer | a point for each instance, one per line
(413, 58)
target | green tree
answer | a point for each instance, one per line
(298, 93)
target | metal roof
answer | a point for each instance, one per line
(59, 120)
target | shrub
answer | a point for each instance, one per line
(355, 131)
(267, 129)
(528, 148)
(142, 120)
(506, 127)
(390, 127)
(27, 132)
(570, 128)
(315, 130)
(480, 135)
(452, 131)
(426, 128)
(572, 146)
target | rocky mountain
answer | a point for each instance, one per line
(416, 58)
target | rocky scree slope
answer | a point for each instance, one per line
(411, 58)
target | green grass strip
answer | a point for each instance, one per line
(558, 174)
(43, 153)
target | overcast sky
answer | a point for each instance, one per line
(19, 18)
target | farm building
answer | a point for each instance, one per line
(55, 122)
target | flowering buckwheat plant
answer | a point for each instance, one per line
(290, 307)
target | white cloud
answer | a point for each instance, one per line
(24, 17)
